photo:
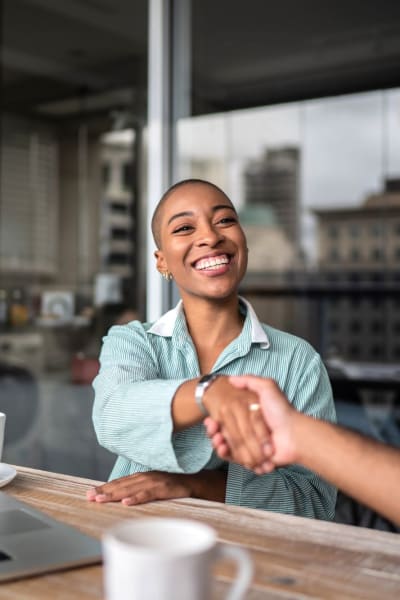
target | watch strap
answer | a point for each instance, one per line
(203, 383)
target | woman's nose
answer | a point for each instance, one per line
(209, 235)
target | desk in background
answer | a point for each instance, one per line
(295, 558)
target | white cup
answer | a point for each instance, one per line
(167, 559)
(2, 425)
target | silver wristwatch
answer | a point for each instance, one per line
(201, 387)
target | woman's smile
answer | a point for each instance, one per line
(213, 265)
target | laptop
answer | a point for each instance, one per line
(33, 543)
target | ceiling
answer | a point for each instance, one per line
(64, 58)
(262, 52)
(59, 58)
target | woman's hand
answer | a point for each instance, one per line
(141, 488)
(237, 416)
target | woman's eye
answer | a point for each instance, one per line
(183, 229)
(226, 220)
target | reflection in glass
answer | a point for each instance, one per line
(317, 186)
(73, 76)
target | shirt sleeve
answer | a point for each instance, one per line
(132, 407)
(294, 489)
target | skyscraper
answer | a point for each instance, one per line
(274, 180)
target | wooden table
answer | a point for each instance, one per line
(294, 557)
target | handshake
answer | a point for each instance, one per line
(261, 437)
(362, 467)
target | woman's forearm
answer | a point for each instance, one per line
(185, 411)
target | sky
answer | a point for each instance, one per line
(349, 144)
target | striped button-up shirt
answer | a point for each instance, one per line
(142, 366)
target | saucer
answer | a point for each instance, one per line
(7, 474)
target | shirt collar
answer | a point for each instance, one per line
(164, 327)
(165, 324)
(258, 335)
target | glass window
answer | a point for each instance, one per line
(354, 277)
(355, 326)
(105, 174)
(376, 229)
(376, 254)
(377, 276)
(73, 92)
(376, 304)
(334, 255)
(127, 175)
(354, 230)
(354, 351)
(307, 178)
(334, 325)
(333, 232)
(377, 351)
(376, 326)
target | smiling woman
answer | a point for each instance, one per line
(203, 247)
(158, 381)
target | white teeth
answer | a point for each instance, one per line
(212, 263)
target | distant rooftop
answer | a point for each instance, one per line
(388, 199)
(392, 184)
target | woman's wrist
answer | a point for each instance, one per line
(208, 485)
(213, 392)
(184, 409)
(202, 386)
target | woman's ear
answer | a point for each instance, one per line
(161, 263)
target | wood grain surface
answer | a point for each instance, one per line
(294, 558)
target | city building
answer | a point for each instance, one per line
(274, 180)
(359, 253)
(270, 249)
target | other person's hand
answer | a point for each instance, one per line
(235, 410)
(278, 415)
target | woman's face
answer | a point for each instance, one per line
(202, 242)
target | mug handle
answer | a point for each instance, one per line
(245, 570)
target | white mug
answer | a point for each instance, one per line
(167, 559)
(2, 425)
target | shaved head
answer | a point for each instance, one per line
(157, 215)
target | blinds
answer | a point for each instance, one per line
(29, 197)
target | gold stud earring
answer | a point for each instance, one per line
(167, 275)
